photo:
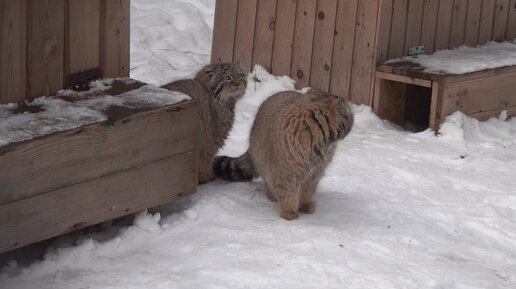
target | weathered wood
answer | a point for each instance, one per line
(473, 22)
(404, 79)
(485, 115)
(224, 29)
(82, 47)
(389, 100)
(414, 24)
(511, 24)
(264, 33)
(323, 44)
(342, 60)
(124, 141)
(458, 23)
(114, 38)
(501, 17)
(284, 37)
(486, 21)
(436, 106)
(97, 200)
(303, 41)
(444, 20)
(428, 30)
(364, 52)
(384, 31)
(398, 29)
(244, 38)
(13, 50)
(45, 31)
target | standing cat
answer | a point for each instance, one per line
(216, 89)
(292, 141)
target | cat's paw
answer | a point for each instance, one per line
(289, 215)
(308, 208)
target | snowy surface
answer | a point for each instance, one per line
(467, 59)
(395, 210)
(59, 115)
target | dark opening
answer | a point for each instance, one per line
(417, 108)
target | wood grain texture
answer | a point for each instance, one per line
(224, 29)
(414, 24)
(244, 38)
(501, 17)
(343, 45)
(284, 37)
(94, 201)
(13, 50)
(458, 23)
(45, 63)
(364, 52)
(511, 23)
(486, 21)
(398, 29)
(264, 33)
(444, 20)
(389, 100)
(303, 41)
(85, 153)
(473, 22)
(429, 25)
(82, 48)
(114, 38)
(323, 44)
(384, 31)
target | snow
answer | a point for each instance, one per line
(394, 210)
(60, 115)
(466, 59)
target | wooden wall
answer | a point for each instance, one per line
(329, 44)
(443, 24)
(49, 44)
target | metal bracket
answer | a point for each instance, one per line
(416, 50)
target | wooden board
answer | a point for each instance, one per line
(389, 100)
(128, 139)
(323, 44)
(414, 24)
(224, 29)
(343, 44)
(501, 17)
(458, 22)
(94, 201)
(244, 38)
(428, 30)
(473, 22)
(444, 20)
(114, 38)
(284, 37)
(45, 70)
(511, 24)
(486, 21)
(13, 52)
(399, 28)
(82, 48)
(264, 33)
(384, 31)
(303, 41)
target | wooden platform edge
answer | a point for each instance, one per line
(37, 218)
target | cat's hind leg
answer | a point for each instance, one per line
(306, 204)
(289, 202)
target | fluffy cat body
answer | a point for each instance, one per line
(293, 139)
(216, 89)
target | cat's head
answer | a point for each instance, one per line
(227, 81)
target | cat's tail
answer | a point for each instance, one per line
(239, 169)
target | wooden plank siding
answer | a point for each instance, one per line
(334, 45)
(47, 45)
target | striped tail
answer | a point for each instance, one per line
(239, 169)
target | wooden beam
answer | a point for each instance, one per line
(114, 38)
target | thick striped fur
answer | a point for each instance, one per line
(216, 89)
(292, 141)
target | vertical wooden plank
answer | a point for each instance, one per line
(244, 38)
(458, 24)
(501, 17)
(264, 33)
(428, 30)
(511, 24)
(414, 24)
(323, 44)
(399, 29)
(45, 55)
(384, 32)
(364, 52)
(303, 40)
(473, 22)
(224, 31)
(444, 20)
(284, 37)
(13, 50)
(486, 21)
(82, 48)
(114, 38)
(342, 60)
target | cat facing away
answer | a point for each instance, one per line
(292, 141)
(216, 89)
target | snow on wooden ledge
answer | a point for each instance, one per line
(70, 109)
(466, 59)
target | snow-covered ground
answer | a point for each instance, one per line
(395, 210)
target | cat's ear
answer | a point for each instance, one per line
(210, 70)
